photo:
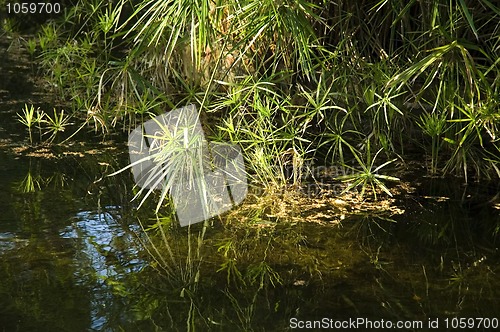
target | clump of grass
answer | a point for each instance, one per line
(434, 125)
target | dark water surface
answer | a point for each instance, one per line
(57, 244)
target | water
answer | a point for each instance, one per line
(58, 246)
(70, 258)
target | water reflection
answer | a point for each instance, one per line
(105, 252)
(10, 241)
(62, 256)
(107, 245)
(58, 280)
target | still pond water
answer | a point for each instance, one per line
(70, 259)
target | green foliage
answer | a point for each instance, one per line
(56, 124)
(434, 125)
(28, 119)
(45, 123)
(292, 81)
(31, 45)
(368, 176)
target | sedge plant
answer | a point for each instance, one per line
(434, 125)
(28, 119)
(56, 124)
(367, 175)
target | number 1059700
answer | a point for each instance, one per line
(33, 8)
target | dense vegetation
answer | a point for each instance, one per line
(293, 82)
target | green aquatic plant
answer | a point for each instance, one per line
(48, 36)
(58, 61)
(269, 130)
(31, 45)
(383, 108)
(474, 127)
(9, 25)
(32, 118)
(434, 125)
(106, 22)
(180, 157)
(28, 119)
(56, 124)
(336, 138)
(367, 175)
(39, 119)
(290, 82)
(44, 122)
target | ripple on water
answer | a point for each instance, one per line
(10, 241)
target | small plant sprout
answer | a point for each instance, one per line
(433, 125)
(29, 120)
(31, 46)
(56, 124)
